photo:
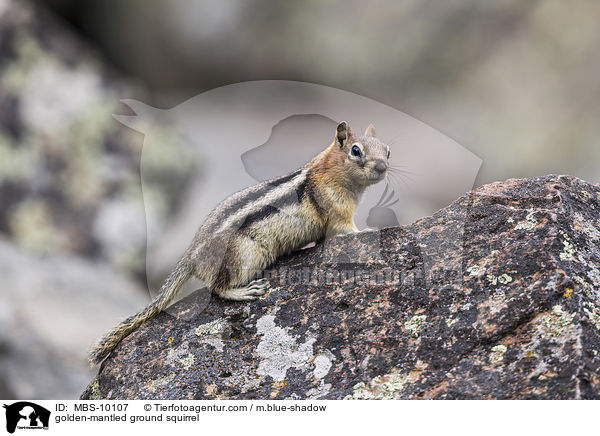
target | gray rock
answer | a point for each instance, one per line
(69, 172)
(5, 392)
(71, 203)
(51, 309)
(495, 296)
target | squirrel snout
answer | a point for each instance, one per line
(381, 166)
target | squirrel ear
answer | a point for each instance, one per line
(370, 131)
(343, 133)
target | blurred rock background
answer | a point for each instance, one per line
(515, 82)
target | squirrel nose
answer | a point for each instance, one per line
(381, 166)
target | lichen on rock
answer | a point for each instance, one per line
(280, 351)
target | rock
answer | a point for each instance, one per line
(71, 203)
(69, 172)
(5, 392)
(495, 296)
(51, 310)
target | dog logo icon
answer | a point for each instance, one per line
(26, 415)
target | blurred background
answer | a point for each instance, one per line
(517, 83)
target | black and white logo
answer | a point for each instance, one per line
(26, 415)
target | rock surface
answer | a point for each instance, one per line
(71, 208)
(69, 172)
(51, 310)
(495, 296)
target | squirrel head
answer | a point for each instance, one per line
(364, 157)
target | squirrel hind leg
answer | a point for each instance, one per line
(253, 290)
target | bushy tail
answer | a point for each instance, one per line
(168, 291)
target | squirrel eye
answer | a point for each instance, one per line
(388, 154)
(356, 151)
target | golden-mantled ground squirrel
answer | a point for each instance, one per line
(248, 231)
